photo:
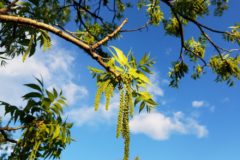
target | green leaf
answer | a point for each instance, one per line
(143, 78)
(28, 49)
(145, 95)
(144, 59)
(133, 72)
(120, 58)
(46, 40)
(137, 100)
(151, 102)
(146, 69)
(50, 95)
(142, 105)
(32, 95)
(56, 132)
(95, 70)
(34, 86)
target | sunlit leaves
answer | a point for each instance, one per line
(45, 40)
(233, 35)
(41, 120)
(130, 81)
(226, 68)
(198, 72)
(192, 9)
(172, 27)
(119, 56)
(155, 14)
(195, 49)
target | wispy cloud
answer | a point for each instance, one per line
(155, 89)
(198, 104)
(160, 127)
(226, 99)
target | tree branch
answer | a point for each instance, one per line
(181, 32)
(137, 29)
(11, 128)
(104, 40)
(87, 48)
(6, 137)
(217, 48)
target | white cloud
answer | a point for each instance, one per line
(55, 67)
(198, 104)
(88, 116)
(155, 125)
(74, 92)
(160, 127)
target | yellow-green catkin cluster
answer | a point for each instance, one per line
(130, 101)
(120, 113)
(108, 94)
(125, 127)
(103, 87)
(125, 109)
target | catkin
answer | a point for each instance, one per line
(130, 102)
(120, 114)
(108, 94)
(101, 88)
(98, 97)
(125, 126)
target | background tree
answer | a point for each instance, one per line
(26, 24)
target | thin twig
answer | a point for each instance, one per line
(11, 128)
(6, 137)
(109, 36)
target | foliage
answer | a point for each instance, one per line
(44, 133)
(226, 69)
(4, 145)
(131, 83)
(94, 24)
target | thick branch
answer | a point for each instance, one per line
(40, 25)
(89, 50)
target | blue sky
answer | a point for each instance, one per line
(197, 121)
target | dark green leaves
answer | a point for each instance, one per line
(221, 6)
(177, 72)
(192, 9)
(41, 119)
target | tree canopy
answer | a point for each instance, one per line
(29, 24)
